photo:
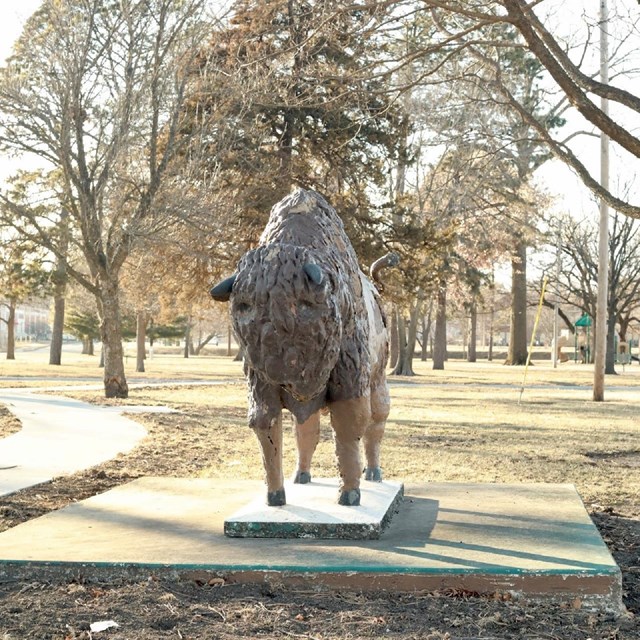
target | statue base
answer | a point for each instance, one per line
(312, 511)
(527, 541)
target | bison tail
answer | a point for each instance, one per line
(391, 259)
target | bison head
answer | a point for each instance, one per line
(286, 316)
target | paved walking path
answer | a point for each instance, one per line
(61, 436)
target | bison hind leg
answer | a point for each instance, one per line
(302, 477)
(375, 431)
(373, 474)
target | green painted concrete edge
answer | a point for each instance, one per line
(596, 570)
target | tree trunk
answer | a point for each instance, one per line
(610, 357)
(473, 333)
(141, 326)
(55, 348)
(492, 317)
(517, 354)
(426, 331)
(240, 355)
(87, 346)
(393, 338)
(464, 326)
(187, 339)
(623, 328)
(203, 343)
(440, 333)
(115, 382)
(407, 367)
(59, 278)
(11, 331)
(402, 344)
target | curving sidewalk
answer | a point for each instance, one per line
(61, 436)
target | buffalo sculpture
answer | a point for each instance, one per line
(314, 337)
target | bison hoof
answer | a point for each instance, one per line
(302, 477)
(276, 498)
(373, 474)
(350, 498)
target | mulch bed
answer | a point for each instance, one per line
(158, 608)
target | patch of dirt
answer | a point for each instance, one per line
(622, 536)
(185, 445)
(9, 424)
(153, 609)
(629, 459)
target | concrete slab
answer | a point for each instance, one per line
(528, 540)
(60, 436)
(313, 512)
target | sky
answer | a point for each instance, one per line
(569, 193)
(572, 21)
(12, 17)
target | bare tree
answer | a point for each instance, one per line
(59, 281)
(96, 90)
(471, 28)
(21, 277)
(579, 275)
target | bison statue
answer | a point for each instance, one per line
(314, 337)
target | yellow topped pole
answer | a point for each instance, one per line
(533, 336)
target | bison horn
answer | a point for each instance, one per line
(314, 272)
(222, 291)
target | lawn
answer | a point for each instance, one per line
(472, 422)
(469, 423)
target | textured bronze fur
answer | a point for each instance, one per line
(311, 345)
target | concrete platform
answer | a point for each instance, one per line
(532, 541)
(311, 512)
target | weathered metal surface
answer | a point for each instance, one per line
(314, 336)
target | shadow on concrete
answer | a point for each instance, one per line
(181, 525)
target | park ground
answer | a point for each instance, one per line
(470, 423)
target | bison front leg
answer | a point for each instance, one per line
(380, 405)
(270, 438)
(307, 437)
(349, 419)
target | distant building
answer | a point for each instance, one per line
(32, 322)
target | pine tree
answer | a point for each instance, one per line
(287, 98)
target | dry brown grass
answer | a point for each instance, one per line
(464, 424)
(30, 368)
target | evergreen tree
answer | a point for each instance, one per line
(286, 99)
(22, 276)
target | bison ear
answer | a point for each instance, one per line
(222, 291)
(314, 272)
